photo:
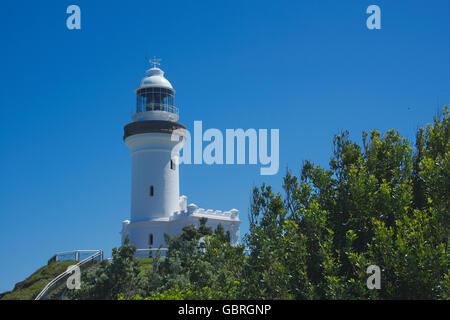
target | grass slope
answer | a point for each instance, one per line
(30, 287)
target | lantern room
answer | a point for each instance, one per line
(155, 97)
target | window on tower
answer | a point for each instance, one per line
(172, 164)
(151, 191)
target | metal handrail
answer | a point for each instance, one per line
(68, 272)
(246, 251)
(72, 252)
(149, 250)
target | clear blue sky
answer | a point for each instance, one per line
(309, 68)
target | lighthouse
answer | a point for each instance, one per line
(154, 139)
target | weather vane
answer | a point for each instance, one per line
(155, 61)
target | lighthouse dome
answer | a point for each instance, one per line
(155, 79)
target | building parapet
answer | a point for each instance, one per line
(193, 210)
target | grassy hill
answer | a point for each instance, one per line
(30, 287)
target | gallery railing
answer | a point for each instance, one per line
(158, 107)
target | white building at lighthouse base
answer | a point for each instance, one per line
(150, 234)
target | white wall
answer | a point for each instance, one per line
(139, 232)
(151, 155)
(162, 213)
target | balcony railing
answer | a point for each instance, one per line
(157, 107)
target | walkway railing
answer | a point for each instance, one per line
(149, 253)
(56, 282)
(75, 255)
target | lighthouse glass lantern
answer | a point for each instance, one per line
(155, 99)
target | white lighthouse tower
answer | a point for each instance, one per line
(155, 138)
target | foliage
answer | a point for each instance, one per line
(199, 264)
(381, 204)
(384, 203)
(118, 276)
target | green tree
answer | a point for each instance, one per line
(383, 203)
(113, 278)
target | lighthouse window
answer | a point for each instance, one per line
(172, 164)
(151, 191)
